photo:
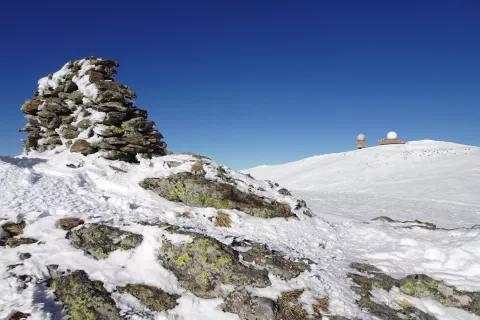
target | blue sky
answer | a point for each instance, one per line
(261, 82)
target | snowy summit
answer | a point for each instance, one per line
(99, 221)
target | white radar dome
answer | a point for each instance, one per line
(361, 137)
(392, 135)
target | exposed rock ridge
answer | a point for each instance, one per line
(83, 108)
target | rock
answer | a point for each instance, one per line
(139, 113)
(134, 149)
(284, 192)
(51, 123)
(137, 124)
(114, 118)
(69, 132)
(205, 264)
(33, 120)
(198, 191)
(106, 63)
(115, 141)
(248, 307)
(83, 147)
(153, 298)
(14, 229)
(47, 115)
(13, 266)
(172, 164)
(24, 256)
(76, 96)
(56, 108)
(95, 75)
(110, 96)
(274, 262)
(115, 86)
(30, 107)
(111, 106)
(15, 242)
(70, 223)
(104, 146)
(99, 240)
(83, 298)
(119, 155)
(19, 316)
(70, 86)
(133, 137)
(84, 123)
(289, 306)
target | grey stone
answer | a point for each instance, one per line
(110, 96)
(114, 118)
(83, 147)
(99, 240)
(24, 256)
(133, 137)
(153, 298)
(69, 132)
(70, 86)
(115, 86)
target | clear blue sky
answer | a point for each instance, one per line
(261, 82)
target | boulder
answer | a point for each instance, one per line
(83, 298)
(114, 118)
(205, 264)
(99, 240)
(153, 298)
(70, 223)
(198, 191)
(69, 132)
(14, 229)
(83, 147)
(30, 107)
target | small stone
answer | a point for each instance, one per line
(114, 118)
(24, 256)
(55, 108)
(30, 106)
(33, 120)
(70, 86)
(284, 192)
(15, 242)
(95, 76)
(14, 229)
(69, 132)
(110, 96)
(138, 124)
(83, 147)
(115, 141)
(19, 316)
(139, 113)
(133, 137)
(115, 86)
(70, 223)
(111, 106)
(84, 123)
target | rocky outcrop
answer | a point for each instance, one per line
(205, 264)
(153, 298)
(83, 108)
(15, 242)
(417, 285)
(19, 316)
(99, 240)
(83, 298)
(198, 191)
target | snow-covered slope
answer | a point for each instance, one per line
(352, 188)
(431, 180)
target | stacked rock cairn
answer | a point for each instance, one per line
(82, 108)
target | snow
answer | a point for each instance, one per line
(53, 82)
(427, 180)
(82, 80)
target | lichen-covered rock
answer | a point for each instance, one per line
(249, 307)
(418, 285)
(284, 192)
(204, 264)
(198, 191)
(83, 147)
(99, 240)
(274, 262)
(70, 223)
(83, 299)
(14, 229)
(154, 298)
(30, 106)
(69, 132)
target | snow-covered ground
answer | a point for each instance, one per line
(430, 181)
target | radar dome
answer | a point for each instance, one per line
(361, 137)
(392, 135)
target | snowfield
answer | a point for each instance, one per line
(429, 181)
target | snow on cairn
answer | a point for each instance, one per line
(80, 107)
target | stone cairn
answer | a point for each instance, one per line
(82, 108)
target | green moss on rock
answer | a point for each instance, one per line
(154, 298)
(198, 191)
